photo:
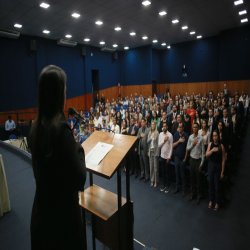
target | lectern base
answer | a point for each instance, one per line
(107, 231)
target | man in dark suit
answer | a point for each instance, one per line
(239, 106)
(225, 99)
(235, 128)
(164, 119)
(172, 118)
(176, 124)
(217, 112)
(212, 123)
(232, 103)
(133, 131)
(227, 122)
(187, 121)
(181, 112)
(146, 113)
(203, 112)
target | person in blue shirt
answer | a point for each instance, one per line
(180, 155)
(10, 127)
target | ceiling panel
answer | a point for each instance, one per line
(206, 17)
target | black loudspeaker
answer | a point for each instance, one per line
(33, 45)
(83, 51)
(115, 56)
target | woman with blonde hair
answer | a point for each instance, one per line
(153, 153)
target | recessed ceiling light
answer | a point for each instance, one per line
(184, 27)
(238, 2)
(126, 47)
(175, 21)
(18, 25)
(75, 15)
(86, 39)
(68, 36)
(118, 28)
(99, 22)
(144, 37)
(146, 3)
(102, 42)
(169, 47)
(155, 41)
(244, 20)
(132, 34)
(192, 32)
(199, 37)
(162, 13)
(163, 44)
(46, 31)
(242, 12)
(44, 5)
(115, 45)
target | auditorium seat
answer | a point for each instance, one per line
(12, 137)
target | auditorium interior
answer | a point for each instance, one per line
(123, 50)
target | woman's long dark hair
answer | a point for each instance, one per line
(50, 105)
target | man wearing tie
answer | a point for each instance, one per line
(203, 111)
(133, 131)
(143, 150)
(172, 117)
(212, 124)
(187, 121)
(217, 112)
(227, 122)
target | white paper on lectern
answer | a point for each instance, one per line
(95, 156)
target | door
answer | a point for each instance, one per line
(95, 85)
(154, 87)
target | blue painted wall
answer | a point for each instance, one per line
(225, 57)
(136, 66)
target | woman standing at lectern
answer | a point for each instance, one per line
(59, 168)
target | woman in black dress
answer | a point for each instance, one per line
(216, 166)
(59, 169)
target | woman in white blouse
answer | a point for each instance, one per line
(204, 132)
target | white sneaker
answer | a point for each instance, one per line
(167, 190)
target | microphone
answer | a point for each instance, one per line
(72, 112)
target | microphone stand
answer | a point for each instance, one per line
(77, 120)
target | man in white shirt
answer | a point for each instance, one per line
(165, 143)
(115, 128)
(10, 127)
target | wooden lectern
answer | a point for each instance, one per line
(112, 215)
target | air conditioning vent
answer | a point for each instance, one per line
(65, 42)
(110, 50)
(9, 33)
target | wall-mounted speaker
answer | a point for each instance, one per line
(84, 51)
(33, 45)
(115, 56)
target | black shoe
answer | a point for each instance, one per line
(141, 178)
(132, 172)
(146, 180)
(176, 191)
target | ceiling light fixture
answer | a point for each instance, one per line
(86, 40)
(169, 47)
(102, 42)
(44, 5)
(99, 22)
(18, 25)
(126, 47)
(115, 45)
(132, 34)
(75, 15)
(146, 3)
(242, 12)
(199, 37)
(118, 28)
(163, 44)
(162, 13)
(175, 21)
(46, 31)
(192, 32)
(144, 37)
(184, 27)
(238, 2)
(155, 41)
(244, 20)
(68, 36)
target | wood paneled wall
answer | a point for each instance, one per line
(84, 102)
(203, 87)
